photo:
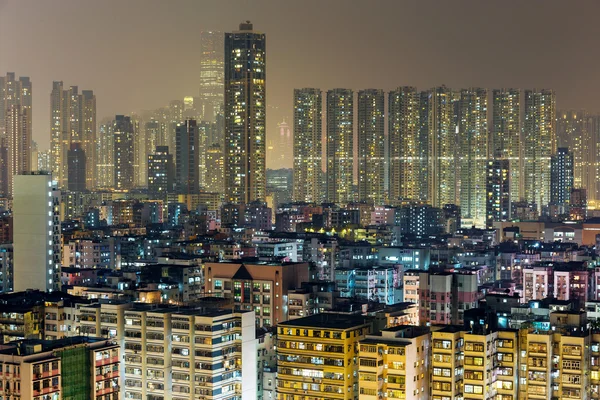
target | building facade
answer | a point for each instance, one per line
(245, 115)
(308, 183)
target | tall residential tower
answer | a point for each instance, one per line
(408, 144)
(539, 134)
(307, 145)
(123, 133)
(371, 146)
(442, 148)
(211, 75)
(505, 136)
(245, 115)
(472, 139)
(340, 144)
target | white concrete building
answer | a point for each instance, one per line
(36, 235)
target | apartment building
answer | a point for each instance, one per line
(189, 354)
(179, 353)
(395, 364)
(442, 296)
(262, 287)
(317, 356)
(77, 367)
(565, 281)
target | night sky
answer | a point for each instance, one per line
(140, 54)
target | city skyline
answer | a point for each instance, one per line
(547, 67)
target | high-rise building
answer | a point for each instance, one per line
(72, 119)
(160, 171)
(15, 92)
(36, 234)
(123, 153)
(578, 204)
(408, 144)
(211, 75)
(15, 128)
(214, 169)
(371, 146)
(340, 145)
(105, 146)
(89, 135)
(245, 115)
(505, 135)
(498, 191)
(18, 140)
(539, 143)
(420, 220)
(43, 161)
(76, 162)
(443, 168)
(308, 145)
(591, 180)
(574, 131)
(473, 139)
(187, 153)
(285, 145)
(561, 176)
(140, 152)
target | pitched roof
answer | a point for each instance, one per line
(242, 274)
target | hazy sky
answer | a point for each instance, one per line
(140, 54)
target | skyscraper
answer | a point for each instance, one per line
(505, 137)
(214, 169)
(371, 146)
(18, 135)
(245, 115)
(88, 135)
(575, 131)
(211, 75)
(72, 119)
(123, 153)
(37, 244)
(308, 145)
(561, 177)
(340, 144)
(14, 92)
(160, 171)
(539, 134)
(473, 139)
(442, 144)
(498, 191)
(408, 144)
(76, 165)
(15, 129)
(187, 152)
(105, 155)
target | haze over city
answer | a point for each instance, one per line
(141, 54)
(292, 200)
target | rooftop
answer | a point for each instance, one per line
(329, 321)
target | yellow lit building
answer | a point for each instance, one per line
(472, 365)
(395, 364)
(317, 356)
(371, 143)
(408, 144)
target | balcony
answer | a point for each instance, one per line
(107, 375)
(107, 361)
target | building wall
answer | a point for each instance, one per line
(36, 233)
